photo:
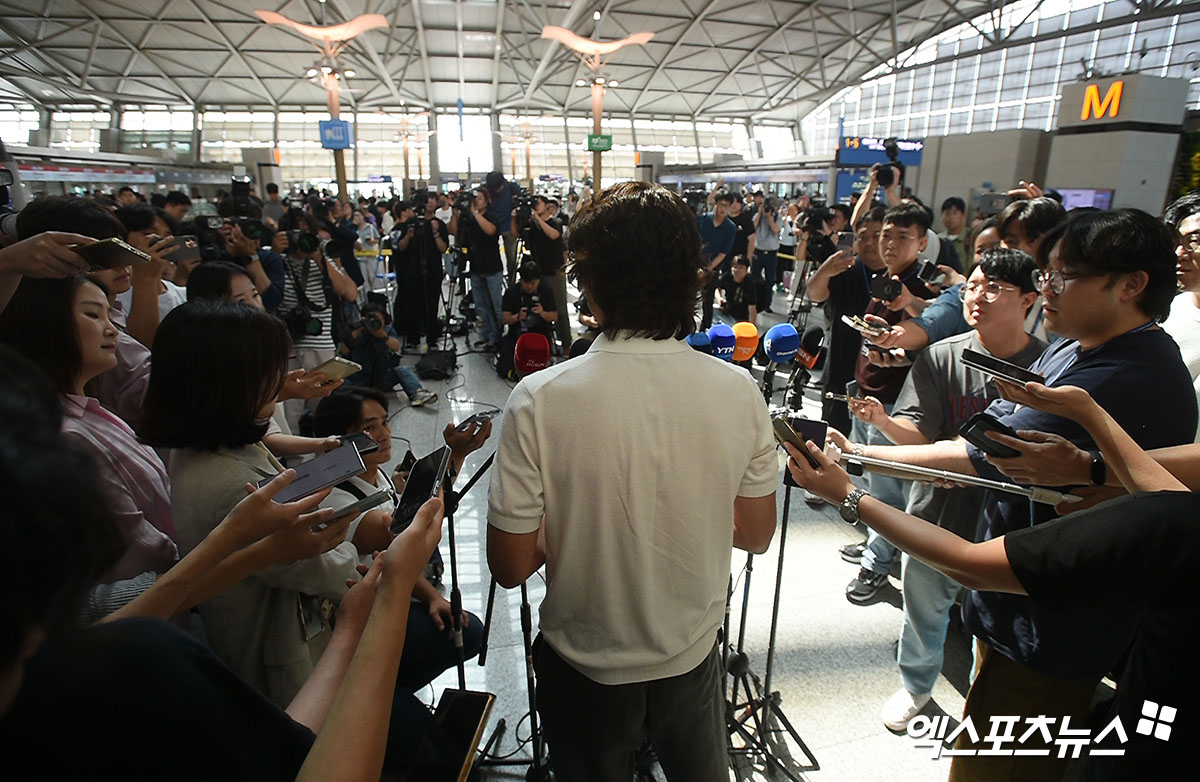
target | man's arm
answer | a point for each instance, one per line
(943, 455)
(716, 261)
(550, 231)
(753, 523)
(514, 557)
(818, 284)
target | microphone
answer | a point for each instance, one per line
(810, 347)
(579, 347)
(531, 354)
(745, 335)
(700, 342)
(780, 343)
(723, 341)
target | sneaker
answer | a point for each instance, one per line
(853, 552)
(865, 586)
(423, 349)
(901, 708)
(422, 397)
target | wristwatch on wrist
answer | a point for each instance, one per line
(849, 506)
(1099, 469)
(857, 449)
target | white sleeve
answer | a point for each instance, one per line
(515, 501)
(762, 474)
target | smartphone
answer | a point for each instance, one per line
(362, 441)
(929, 273)
(478, 419)
(447, 750)
(837, 397)
(860, 325)
(354, 509)
(877, 348)
(338, 368)
(797, 431)
(110, 254)
(328, 469)
(973, 431)
(993, 203)
(406, 464)
(424, 481)
(845, 240)
(1001, 369)
(187, 248)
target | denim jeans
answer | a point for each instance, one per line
(407, 380)
(928, 598)
(763, 269)
(487, 291)
(879, 554)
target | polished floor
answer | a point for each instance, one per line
(834, 664)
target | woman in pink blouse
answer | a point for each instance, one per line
(63, 326)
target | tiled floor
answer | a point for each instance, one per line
(834, 662)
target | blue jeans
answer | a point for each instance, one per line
(928, 598)
(407, 379)
(429, 651)
(487, 292)
(879, 554)
(763, 269)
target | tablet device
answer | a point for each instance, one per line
(327, 469)
(447, 750)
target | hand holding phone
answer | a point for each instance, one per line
(424, 481)
(999, 368)
(796, 431)
(975, 432)
(110, 253)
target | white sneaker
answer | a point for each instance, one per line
(423, 397)
(901, 708)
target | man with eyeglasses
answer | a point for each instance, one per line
(938, 396)
(1183, 324)
(1108, 277)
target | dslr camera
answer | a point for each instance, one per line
(371, 322)
(533, 321)
(303, 241)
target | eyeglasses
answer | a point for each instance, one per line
(1055, 280)
(1190, 242)
(990, 290)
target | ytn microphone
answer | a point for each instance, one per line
(699, 342)
(723, 341)
(745, 336)
(532, 353)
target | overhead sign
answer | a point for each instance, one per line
(1094, 107)
(599, 143)
(36, 172)
(335, 133)
(865, 151)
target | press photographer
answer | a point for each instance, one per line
(535, 223)
(476, 225)
(246, 240)
(374, 344)
(527, 306)
(418, 242)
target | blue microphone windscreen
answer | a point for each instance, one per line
(781, 343)
(723, 341)
(699, 341)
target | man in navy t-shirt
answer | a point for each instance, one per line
(1108, 277)
(717, 232)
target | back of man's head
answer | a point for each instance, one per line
(909, 216)
(1035, 216)
(638, 255)
(178, 198)
(1117, 242)
(495, 180)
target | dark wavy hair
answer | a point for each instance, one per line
(1036, 216)
(636, 250)
(85, 216)
(215, 364)
(1115, 242)
(1008, 265)
(342, 411)
(39, 323)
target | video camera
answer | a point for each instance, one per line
(464, 200)
(883, 171)
(523, 202)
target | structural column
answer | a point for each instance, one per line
(570, 165)
(497, 150)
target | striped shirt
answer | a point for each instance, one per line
(315, 292)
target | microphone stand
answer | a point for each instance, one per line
(451, 501)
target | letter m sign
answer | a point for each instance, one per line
(1093, 107)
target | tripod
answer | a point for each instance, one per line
(757, 725)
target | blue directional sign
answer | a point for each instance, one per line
(863, 151)
(335, 134)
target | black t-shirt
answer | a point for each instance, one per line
(139, 699)
(405, 262)
(738, 295)
(1136, 554)
(884, 383)
(849, 294)
(745, 229)
(484, 253)
(547, 253)
(515, 298)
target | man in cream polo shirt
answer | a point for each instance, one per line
(631, 472)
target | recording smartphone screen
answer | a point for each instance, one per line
(1001, 369)
(328, 469)
(424, 481)
(975, 432)
(845, 240)
(362, 441)
(478, 419)
(110, 254)
(448, 749)
(187, 248)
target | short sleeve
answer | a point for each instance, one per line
(515, 502)
(921, 400)
(943, 318)
(762, 474)
(548, 301)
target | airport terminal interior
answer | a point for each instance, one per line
(407, 197)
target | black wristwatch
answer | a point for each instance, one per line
(1099, 469)
(849, 506)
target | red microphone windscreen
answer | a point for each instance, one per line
(532, 353)
(746, 334)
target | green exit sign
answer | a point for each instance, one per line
(599, 143)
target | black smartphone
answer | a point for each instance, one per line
(362, 441)
(885, 288)
(448, 748)
(796, 431)
(975, 429)
(424, 481)
(327, 469)
(406, 464)
(187, 248)
(478, 419)
(928, 272)
(354, 509)
(845, 240)
(999, 368)
(110, 254)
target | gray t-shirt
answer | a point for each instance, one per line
(939, 395)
